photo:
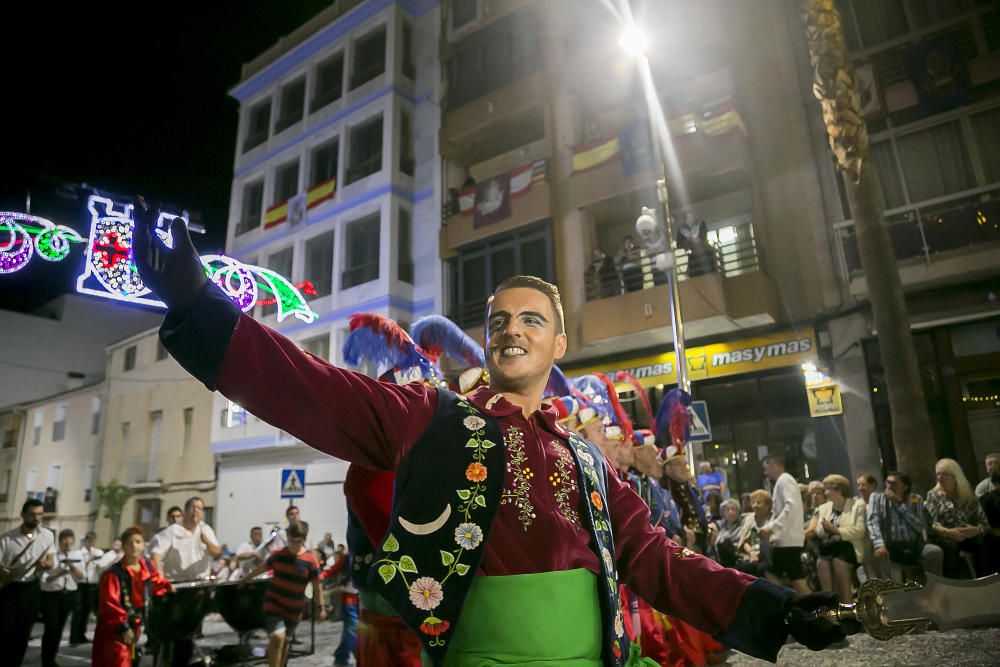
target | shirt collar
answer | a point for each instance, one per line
(494, 404)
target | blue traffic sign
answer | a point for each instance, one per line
(701, 427)
(293, 483)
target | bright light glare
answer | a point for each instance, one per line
(633, 41)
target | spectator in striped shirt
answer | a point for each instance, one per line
(294, 568)
(897, 528)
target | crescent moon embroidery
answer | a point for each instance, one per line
(426, 528)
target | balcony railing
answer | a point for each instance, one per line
(729, 259)
(923, 231)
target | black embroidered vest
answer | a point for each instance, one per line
(446, 495)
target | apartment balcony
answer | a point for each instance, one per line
(727, 293)
(946, 240)
(618, 163)
(528, 199)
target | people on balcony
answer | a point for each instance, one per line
(692, 236)
(630, 264)
(602, 276)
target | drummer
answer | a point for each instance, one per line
(184, 552)
(280, 541)
(249, 554)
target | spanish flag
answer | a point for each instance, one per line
(276, 215)
(595, 153)
(321, 192)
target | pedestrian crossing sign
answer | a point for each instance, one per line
(293, 483)
(701, 427)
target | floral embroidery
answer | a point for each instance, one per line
(476, 472)
(619, 625)
(564, 482)
(684, 553)
(434, 626)
(518, 494)
(473, 423)
(595, 498)
(606, 555)
(426, 593)
(468, 535)
(617, 651)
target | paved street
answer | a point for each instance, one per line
(958, 647)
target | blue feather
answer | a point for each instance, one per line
(558, 384)
(438, 335)
(364, 344)
(596, 392)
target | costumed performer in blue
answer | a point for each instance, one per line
(478, 580)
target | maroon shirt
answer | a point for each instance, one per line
(537, 527)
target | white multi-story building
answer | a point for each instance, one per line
(336, 183)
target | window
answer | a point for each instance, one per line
(188, 428)
(479, 268)
(286, 182)
(126, 431)
(293, 104)
(128, 363)
(12, 431)
(409, 65)
(404, 247)
(280, 262)
(59, 423)
(935, 162)
(31, 482)
(493, 57)
(366, 150)
(463, 12)
(88, 482)
(147, 516)
(319, 263)
(406, 161)
(155, 426)
(7, 478)
(36, 433)
(318, 347)
(250, 207)
(257, 125)
(329, 81)
(325, 160)
(361, 258)
(369, 57)
(161, 351)
(986, 129)
(54, 480)
(233, 414)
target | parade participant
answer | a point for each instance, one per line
(250, 554)
(110, 557)
(87, 602)
(184, 552)
(786, 530)
(124, 592)
(514, 567)
(59, 594)
(25, 552)
(280, 541)
(294, 568)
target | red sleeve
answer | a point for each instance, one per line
(348, 415)
(160, 584)
(109, 607)
(336, 568)
(695, 589)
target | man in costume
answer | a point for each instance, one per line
(478, 579)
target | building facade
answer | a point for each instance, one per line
(155, 435)
(336, 184)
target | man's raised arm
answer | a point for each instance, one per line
(345, 414)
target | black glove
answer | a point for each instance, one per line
(811, 630)
(173, 274)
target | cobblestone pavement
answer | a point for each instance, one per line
(971, 648)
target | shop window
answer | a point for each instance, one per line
(479, 268)
(366, 150)
(251, 206)
(258, 124)
(281, 263)
(369, 57)
(329, 81)
(404, 247)
(319, 263)
(293, 104)
(324, 162)
(286, 182)
(361, 261)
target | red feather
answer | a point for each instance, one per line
(624, 376)
(678, 424)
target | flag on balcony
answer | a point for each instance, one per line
(276, 215)
(492, 200)
(595, 153)
(321, 192)
(521, 179)
(635, 149)
(937, 69)
(722, 119)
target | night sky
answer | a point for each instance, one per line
(126, 102)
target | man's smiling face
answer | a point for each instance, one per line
(523, 339)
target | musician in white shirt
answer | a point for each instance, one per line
(183, 552)
(59, 594)
(110, 557)
(249, 554)
(87, 603)
(281, 540)
(25, 552)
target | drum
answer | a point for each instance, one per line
(242, 607)
(178, 615)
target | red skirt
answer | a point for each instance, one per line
(108, 650)
(385, 641)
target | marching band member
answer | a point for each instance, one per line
(90, 556)
(59, 594)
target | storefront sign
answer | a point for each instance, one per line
(777, 350)
(824, 400)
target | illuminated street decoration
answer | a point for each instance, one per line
(51, 241)
(240, 283)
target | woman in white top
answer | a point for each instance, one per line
(839, 526)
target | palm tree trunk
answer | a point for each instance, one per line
(836, 88)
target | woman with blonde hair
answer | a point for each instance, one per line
(957, 520)
(839, 527)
